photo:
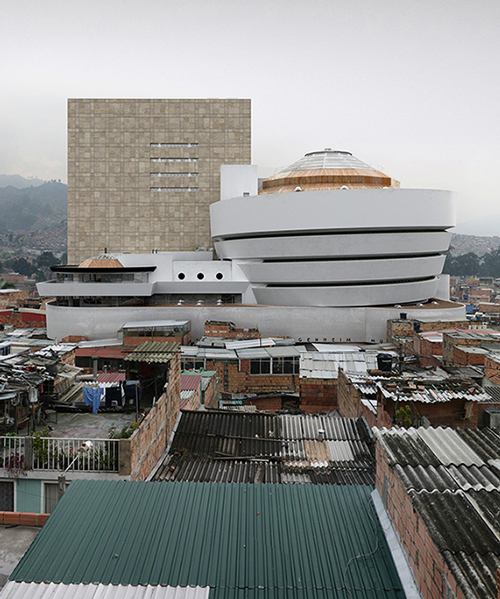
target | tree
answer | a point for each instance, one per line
(22, 266)
(465, 265)
(47, 259)
(490, 264)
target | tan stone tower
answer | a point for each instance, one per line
(142, 173)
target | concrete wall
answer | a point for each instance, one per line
(237, 179)
(302, 323)
(28, 496)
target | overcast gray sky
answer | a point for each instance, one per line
(411, 87)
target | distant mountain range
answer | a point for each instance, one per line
(479, 245)
(31, 208)
(19, 181)
(486, 226)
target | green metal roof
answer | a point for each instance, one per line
(240, 540)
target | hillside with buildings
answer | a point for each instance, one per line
(310, 384)
(463, 244)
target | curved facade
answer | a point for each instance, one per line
(329, 249)
(331, 231)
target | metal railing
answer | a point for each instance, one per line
(11, 452)
(60, 454)
(57, 454)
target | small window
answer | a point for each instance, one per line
(51, 496)
(181, 276)
(6, 496)
(200, 276)
(219, 276)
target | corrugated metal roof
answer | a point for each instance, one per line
(153, 352)
(438, 446)
(190, 381)
(111, 377)
(279, 444)
(326, 365)
(264, 541)
(431, 391)
(51, 590)
(454, 484)
(470, 540)
(248, 343)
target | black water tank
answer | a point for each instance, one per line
(384, 362)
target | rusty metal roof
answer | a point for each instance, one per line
(153, 352)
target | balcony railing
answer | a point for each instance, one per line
(56, 454)
(12, 452)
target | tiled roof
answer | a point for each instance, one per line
(236, 447)
(453, 479)
(242, 541)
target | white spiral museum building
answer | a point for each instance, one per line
(331, 231)
(327, 249)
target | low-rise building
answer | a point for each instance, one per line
(441, 490)
(415, 400)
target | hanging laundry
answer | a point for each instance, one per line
(92, 397)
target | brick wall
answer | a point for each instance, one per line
(492, 369)
(463, 358)
(194, 402)
(149, 441)
(24, 318)
(426, 350)
(267, 404)
(23, 518)
(348, 397)
(13, 298)
(447, 413)
(229, 331)
(429, 568)
(234, 380)
(318, 395)
(488, 308)
(211, 394)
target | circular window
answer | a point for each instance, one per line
(181, 276)
(200, 276)
(219, 276)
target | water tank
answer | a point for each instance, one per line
(384, 362)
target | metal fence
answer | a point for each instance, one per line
(56, 454)
(11, 452)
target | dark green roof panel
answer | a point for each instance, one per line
(241, 540)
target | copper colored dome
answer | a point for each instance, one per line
(102, 261)
(327, 169)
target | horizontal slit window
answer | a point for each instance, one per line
(174, 188)
(174, 174)
(174, 159)
(174, 145)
